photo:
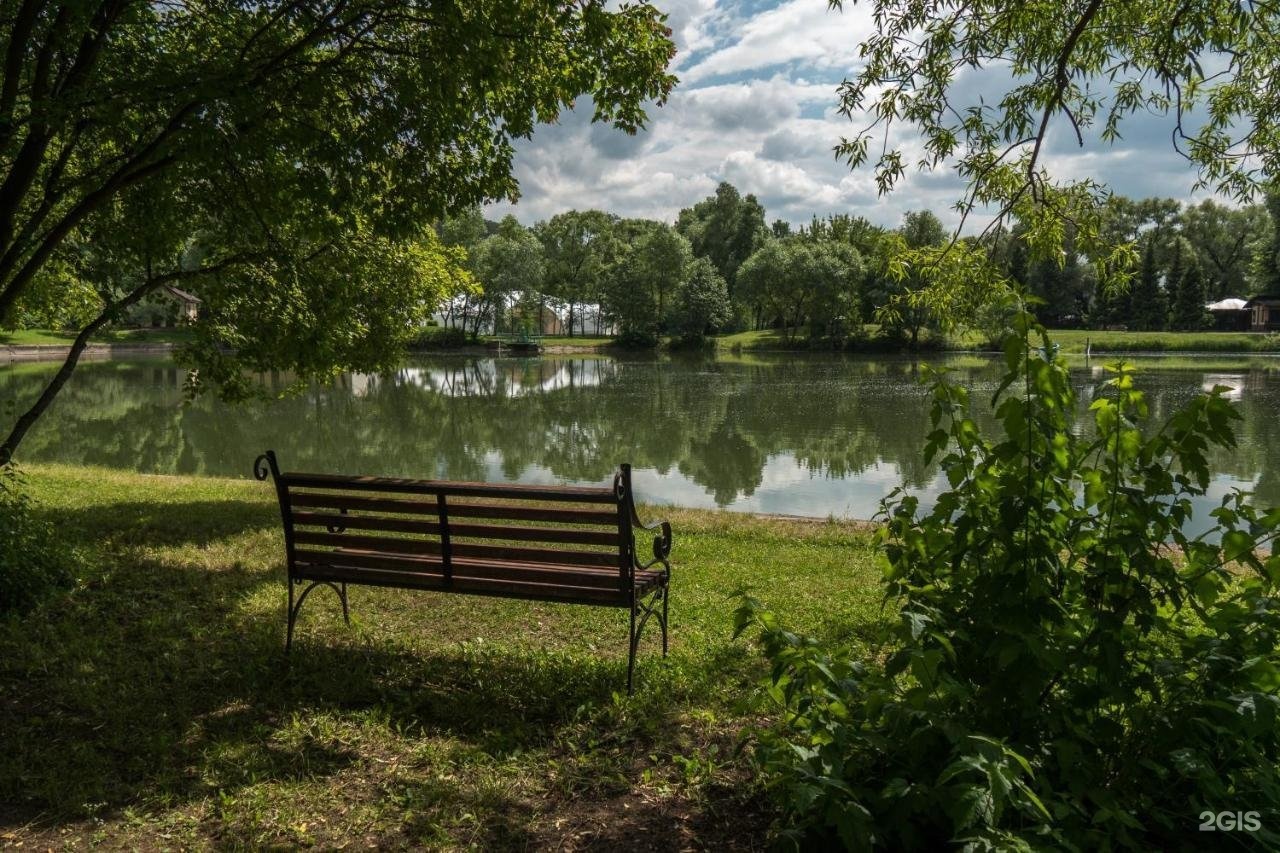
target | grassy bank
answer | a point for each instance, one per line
(1071, 341)
(593, 341)
(151, 706)
(1074, 340)
(47, 337)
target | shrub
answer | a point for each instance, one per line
(439, 337)
(32, 563)
(1067, 669)
(636, 339)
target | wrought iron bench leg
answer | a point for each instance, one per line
(294, 606)
(666, 591)
(633, 641)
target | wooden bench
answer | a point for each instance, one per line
(567, 544)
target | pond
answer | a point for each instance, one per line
(804, 435)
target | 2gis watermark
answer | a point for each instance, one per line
(1230, 821)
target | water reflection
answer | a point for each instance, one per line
(811, 436)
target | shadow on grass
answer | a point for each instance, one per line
(157, 523)
(165, 682)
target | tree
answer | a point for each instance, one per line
(769, 283)
(577, 247)
(507, 263)
(271, 136)
(796, 282)
(832, 272)
(725, 228)
(1187, 311)
(1081, 68)
(1148, 309)
(920, 229)
(463, 231)
(651, 263)
(1266, 258)
(701, 302)
(1064, 286)
(1223, 239)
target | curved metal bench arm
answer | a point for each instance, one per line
(661, 542)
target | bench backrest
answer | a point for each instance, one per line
(541, 525)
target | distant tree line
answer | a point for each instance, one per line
(829, 283)
(1189, 255)
(721, 268)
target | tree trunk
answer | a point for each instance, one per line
(20, 428)
(29, 417)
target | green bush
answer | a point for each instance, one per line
(32, 563)
(439, 337)
(1067, 669)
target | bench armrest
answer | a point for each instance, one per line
(661, 541)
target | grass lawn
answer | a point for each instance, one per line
(151, 707)
(29, 337)
(1073, 341)
(579, 341)
(774, 339)
(763, 339)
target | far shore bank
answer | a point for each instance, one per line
(55, 352)
(1075, 342)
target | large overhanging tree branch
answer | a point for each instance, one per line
(110, 313)
(343, 122)
(1077, 69)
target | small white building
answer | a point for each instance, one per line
(188, 304)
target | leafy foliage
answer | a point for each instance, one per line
(356, 306)
(149, 143)
(32, 560)
(1148, 306)
(701, 302)
(725, 228)
(579, 247)
(1068, 668)
(795, 281)
(1187, 309)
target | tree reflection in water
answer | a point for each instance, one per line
(809, 435)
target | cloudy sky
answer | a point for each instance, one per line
(756, 106)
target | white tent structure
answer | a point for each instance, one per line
(1229, 304)
(462, 311)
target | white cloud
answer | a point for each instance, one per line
(798, 31)
(757, 107)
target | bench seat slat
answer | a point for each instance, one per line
(498, 579)
(480, 586)
(567, 535)
(461, 531)
(575, 494)
(562, 575)
(459, 549)
(366, 522)
(363, 503)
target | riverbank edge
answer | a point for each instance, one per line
(55, 352)
(63, 469)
